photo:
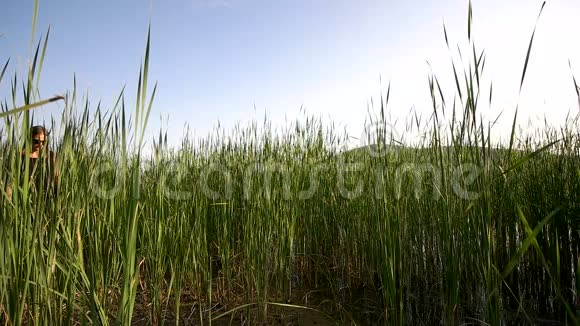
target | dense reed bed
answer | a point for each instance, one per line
(251, 223)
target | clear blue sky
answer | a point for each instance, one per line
(221, 59)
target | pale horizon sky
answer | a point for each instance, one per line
(235, 60)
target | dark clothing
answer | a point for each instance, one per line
(42, 174)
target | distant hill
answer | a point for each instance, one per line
(399, 149)
(373, 148)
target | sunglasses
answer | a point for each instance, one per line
(37, 141)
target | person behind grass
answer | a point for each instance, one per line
(42, 162)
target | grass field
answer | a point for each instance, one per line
(250, 225)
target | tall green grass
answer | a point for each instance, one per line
(245, 223)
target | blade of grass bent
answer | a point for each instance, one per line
(34, 17)
(469, 20)
(42, 56)
(530, 49)
(4, 69)
(30, 106)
